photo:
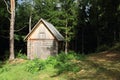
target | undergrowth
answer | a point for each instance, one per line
(116, 47)
(35, 65)
(62, 62)
(21, 55)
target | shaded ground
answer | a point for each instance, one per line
(100, 66)
(106, 56)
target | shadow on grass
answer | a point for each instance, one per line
(113, 74)
(1, 64)
(106, 71)
(92, 71)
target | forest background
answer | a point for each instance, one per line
(87, 25)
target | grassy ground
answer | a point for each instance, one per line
(15, 70)
(100, 66)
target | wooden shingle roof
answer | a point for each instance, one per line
(51, 28)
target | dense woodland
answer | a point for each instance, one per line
(87, 25)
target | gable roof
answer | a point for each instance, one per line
(50, 27)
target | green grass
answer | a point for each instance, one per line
(61, 67)
(16, 72)
(19, 72)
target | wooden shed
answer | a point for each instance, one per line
(43, 40)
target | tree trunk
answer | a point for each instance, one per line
(30, 23)
(66, 42)
(12, 22)
(66, 47)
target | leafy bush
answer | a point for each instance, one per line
(4, 69)
(116, 47)
(65, 62)
(51, 61)
(102, 48)
(68, 66)
(80, 56)
(35, 65)
(62, 57)
(21, 55)
(62, 62)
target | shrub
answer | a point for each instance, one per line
(21, 55)
(67, 66)
(65, 63)
(62, 57)
(116, 47)
(102, 48)
(51, 61)
(4, 69)
(35, 65)
(80, 56)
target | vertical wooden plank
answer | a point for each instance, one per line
(28, 49)
(56, 47)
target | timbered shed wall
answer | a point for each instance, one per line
(43, 40)
(42, 48)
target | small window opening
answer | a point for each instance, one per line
(42, 35)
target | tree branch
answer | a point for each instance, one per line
(7, 6)
(20, 29)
